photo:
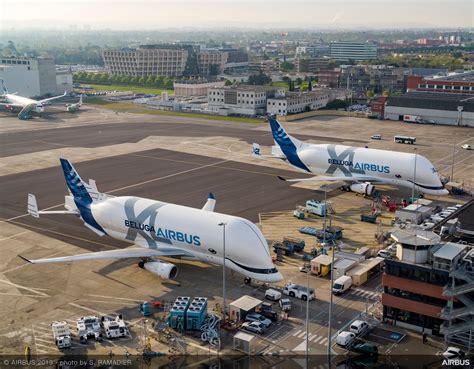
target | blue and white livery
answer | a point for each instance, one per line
(360, 167)
(163, 229)
(24, 106)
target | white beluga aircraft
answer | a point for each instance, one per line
(23, 105)
(359, 167)
(162, 229)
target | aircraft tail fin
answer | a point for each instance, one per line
(82, 197)
(4, 87)
(288, 144)
(33, 206)
(75, 183)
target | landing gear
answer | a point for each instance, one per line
(247, 280)
(141, 264)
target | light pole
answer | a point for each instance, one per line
(223, 267)
(414, 176)
(452, 163)
(332, 276)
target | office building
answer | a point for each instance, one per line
(208, 58)
(329, 78)
(429, 286)
(195, 87)
(30, 77)
(311, 64)
(147, 60)
(297, 102)
(243, 100)
(438, 108)
(457, 83)
(344, 51)
(312, 50)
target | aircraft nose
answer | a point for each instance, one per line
(274, 277)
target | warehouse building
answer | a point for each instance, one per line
(440, 108)
(460, 83)
(30, 77)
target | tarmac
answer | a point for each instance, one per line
(178, 160)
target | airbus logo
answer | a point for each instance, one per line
(361, 166)
(165, 233)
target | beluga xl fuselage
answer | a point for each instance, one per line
(359, 167)
(160, 229)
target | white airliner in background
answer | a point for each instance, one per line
(360, 167)
(24, 105)
(163, 229)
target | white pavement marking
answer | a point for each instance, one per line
(300, 347)
(301, 335)
(318, 339)
(87, 309)
(297, 332)
(24, 288)
(115, 298)
(324, 341)
(15, 235)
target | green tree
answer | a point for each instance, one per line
(337, 104)
(287, 66)
(158, 81)
(214, 69)
(134, 80)
(227, 83)
(310, 85)
(299, 81)
(386, 93)
(370, 94)
(168, 83)
(259, 79)
(125, 80)
(150, 81)
(142, 81)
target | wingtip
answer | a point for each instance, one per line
(281, 178)
(211, 196)
(25, 259)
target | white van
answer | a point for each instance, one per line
(359, 327)
(272, 294)
(376, 137)
(342, 284)
(345, 339)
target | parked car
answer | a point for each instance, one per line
(268, 312)
(466, 147)
(255, 317)
(305, 268)
(359, 327)
(452, 352)
(384, 254)
(345, 339)
(366, 348)
(254, 327)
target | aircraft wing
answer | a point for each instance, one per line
(9, 106)
(332, 179)
(112, 254)
(52, 98)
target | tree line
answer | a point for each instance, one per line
(105, 78)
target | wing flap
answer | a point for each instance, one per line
(112, 254)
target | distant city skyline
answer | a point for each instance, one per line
(222, 14)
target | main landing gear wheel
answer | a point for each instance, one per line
(141, 264)
(247, 280)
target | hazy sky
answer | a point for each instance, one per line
(155, 14)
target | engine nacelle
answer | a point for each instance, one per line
(162, 269)
(363, 188)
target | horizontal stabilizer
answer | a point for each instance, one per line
(111, 254)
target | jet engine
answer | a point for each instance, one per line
(160, 268)
(363, 188)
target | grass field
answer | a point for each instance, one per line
(140, 109)
(134, 89)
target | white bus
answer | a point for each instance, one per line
(405, 139)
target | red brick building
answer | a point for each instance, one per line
(461, 83)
